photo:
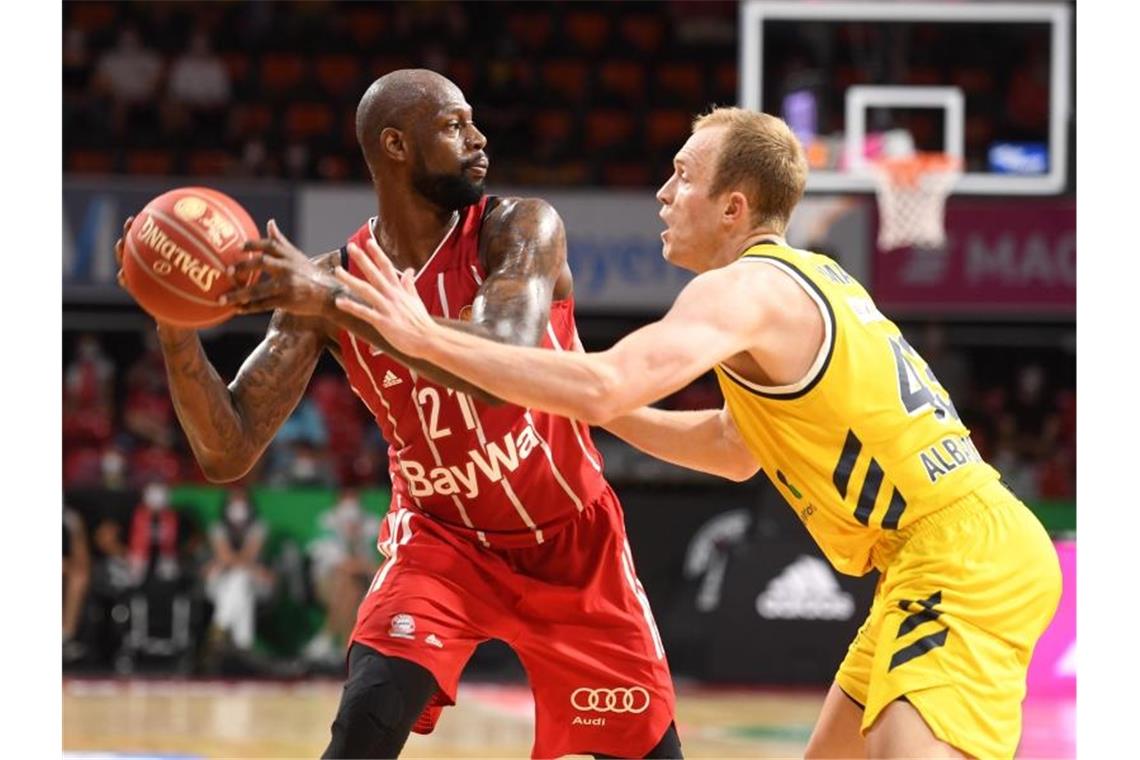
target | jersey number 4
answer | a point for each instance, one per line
(919, 389)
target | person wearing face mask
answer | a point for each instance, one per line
(153, 545)
(235, 577)
(343, 560)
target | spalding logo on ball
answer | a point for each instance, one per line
(177, 252)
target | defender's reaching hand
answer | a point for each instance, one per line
(386, 299)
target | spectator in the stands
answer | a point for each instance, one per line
(129, 75)
(297, 455)
(88, 386)
(1037, 421)
(76, 579)
(235, 576)
(343, 560)
(153, 544)
(950, 366)
(198, 92)
(148, 413)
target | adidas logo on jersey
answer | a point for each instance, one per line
(390, 379)
(805, 590)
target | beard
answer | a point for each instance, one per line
(450, 192)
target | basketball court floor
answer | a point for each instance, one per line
(114, 718)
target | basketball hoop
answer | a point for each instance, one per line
(912, 195)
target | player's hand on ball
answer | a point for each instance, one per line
(292, 282)
(386, 299)
(119, 252)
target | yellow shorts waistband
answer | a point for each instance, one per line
(986, 497)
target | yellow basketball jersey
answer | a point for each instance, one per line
(869, 441)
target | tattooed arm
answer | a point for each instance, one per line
(229, 427)
(523, 249)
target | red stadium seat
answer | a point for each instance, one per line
(845, 76)
(462, 72)
(83, 467)
(588, 30)
(91, 17)
(726, 81)
(530, 30)
(923, 75)
(606, 128)
(281, 73)
(254, 119)
(82, 161)
(979, 132)
(338, 75)
(366, 24)
(209, 163)
(667, 129)
(152, 162)
(682, 81)
(238, 65)
(304, 120)
(566, 78)
(625, 78)
(646, 33)
(383, 64)
(553, 126)
(973, 80)
(627, 174)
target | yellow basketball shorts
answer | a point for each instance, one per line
(955, 617)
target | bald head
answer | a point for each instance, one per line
(398, 99)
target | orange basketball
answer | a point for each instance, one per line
(176, 254)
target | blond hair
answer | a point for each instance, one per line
(761, 157)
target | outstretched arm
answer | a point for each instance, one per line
(716, 316)
(524, 248)
(705, 440)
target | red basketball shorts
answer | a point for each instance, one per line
(572, 608)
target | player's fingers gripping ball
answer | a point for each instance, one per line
(177, 251)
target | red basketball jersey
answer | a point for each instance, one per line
(506, 475)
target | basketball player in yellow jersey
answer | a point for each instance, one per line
(846, 419)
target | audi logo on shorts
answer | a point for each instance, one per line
(633, 699)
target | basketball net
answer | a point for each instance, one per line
(912, 195)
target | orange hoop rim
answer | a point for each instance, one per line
(908, 170)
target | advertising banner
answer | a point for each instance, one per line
(1003, 258)
(94, 212)
(613, 238)
(1053, 670)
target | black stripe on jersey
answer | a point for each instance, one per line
(918, 648)
(869, 492)
(925, 614)
(830, 348)
(894, 510)
(851, 448)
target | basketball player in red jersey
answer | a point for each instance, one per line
(501, 524)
